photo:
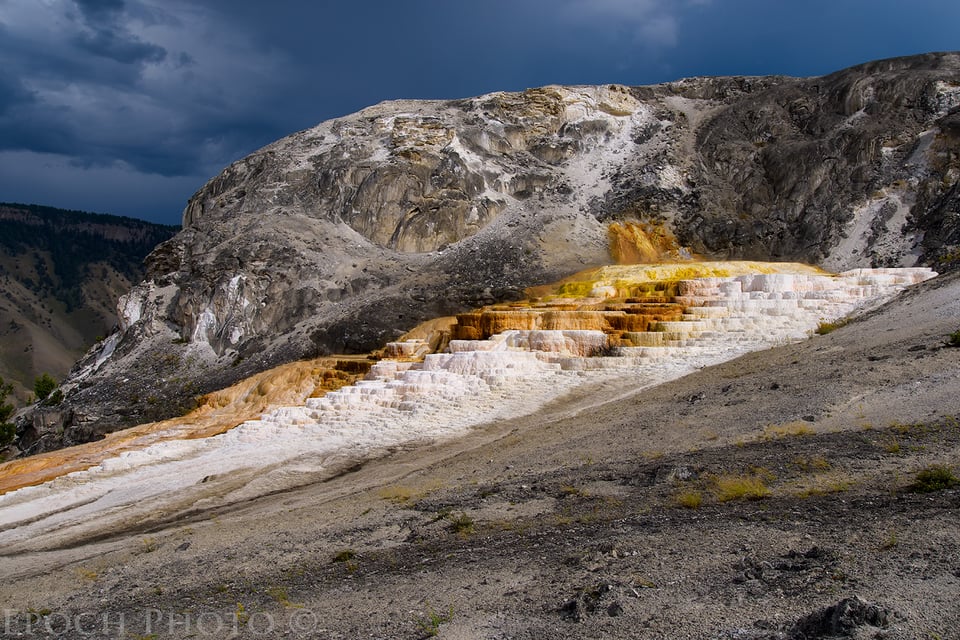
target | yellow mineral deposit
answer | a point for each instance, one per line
(640, 242)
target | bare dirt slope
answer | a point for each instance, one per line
(570, 523)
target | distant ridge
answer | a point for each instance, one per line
(61, 272)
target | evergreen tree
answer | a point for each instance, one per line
(8, 431)
(43, 386)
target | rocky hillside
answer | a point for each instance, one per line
(340, 237)
(61, 273)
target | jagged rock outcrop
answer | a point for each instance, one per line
(340, 237)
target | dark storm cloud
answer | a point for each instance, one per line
(12, 92)
(99, 9)
(108, 37)
(116, 46)
(167, 93)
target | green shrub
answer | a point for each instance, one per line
(934, 478)
(8, 431)
(430, 623)
(953, 340)
(43, 386)
(54, 398)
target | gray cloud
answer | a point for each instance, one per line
(178, 87)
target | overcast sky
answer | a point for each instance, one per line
(129, 106)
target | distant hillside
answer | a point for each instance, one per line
(61, 273)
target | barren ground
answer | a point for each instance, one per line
(569, 523)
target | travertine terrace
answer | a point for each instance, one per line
(651, 323)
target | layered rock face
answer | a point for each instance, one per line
(340, 237)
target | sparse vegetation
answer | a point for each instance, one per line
(953, 340)
(824, 484)
(86, 575)
(398, 493)
(818, 463)
(796, 429)
(890, 541)
(241, 615)
(346, 555)
(570, 490)
(407, 495)
(282, 598)
(462, 525)
(38, 614)
(430, 623)
(934, 478)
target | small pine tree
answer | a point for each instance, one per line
(8, 431)
(43, 386)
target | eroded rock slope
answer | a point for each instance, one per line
(340, 237)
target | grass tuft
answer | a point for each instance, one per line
(739, 487)
(824, 484)
(829, 327)
(890, 541)
(795, 429)
(282, 597)
(689, 499)
(818, 463)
